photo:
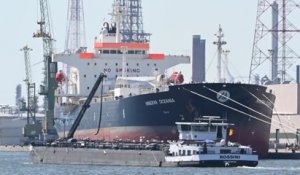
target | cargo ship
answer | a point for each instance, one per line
(137, 101)
(200, 144)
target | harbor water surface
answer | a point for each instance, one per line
(19, 163)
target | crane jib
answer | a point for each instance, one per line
(85, 106)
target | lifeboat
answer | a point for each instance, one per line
(176, 78)
(60, 77)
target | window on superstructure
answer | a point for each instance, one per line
(154, 64)
(183, 152)
(188, 152)
(130, 51)
(100, 51)
(95, 64)
(185, 127)
(148, 64)
(138, 52)
(137, 64)
(200, 128)
(95, 76)
(127, 64)
(88, 64)
(88, 88)
(116, 64)
(106, 51)
(105, 64)
(84, 76)
(213, 128)
(113, 51)
(119, 52)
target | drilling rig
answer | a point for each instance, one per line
(33, 128)
(47, 89)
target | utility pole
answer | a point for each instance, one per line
(49, 84)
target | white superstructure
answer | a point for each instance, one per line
(116, 59)
(206, 144)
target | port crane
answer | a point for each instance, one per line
(30, 85)
(49, 83)
(32, 129)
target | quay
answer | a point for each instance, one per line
(14, 148)
(283, 154)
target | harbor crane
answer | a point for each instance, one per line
(49, 83)
(32, 129)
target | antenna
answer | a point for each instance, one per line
(219, 44)
(226, 73)
(280, 55)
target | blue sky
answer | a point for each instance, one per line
(171, 22)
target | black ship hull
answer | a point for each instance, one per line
(153, 116)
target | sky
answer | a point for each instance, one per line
(171, 22)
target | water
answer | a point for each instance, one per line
(14, 163)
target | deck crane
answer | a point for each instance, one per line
(85, 106)
(49, 84)
(33, 128)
